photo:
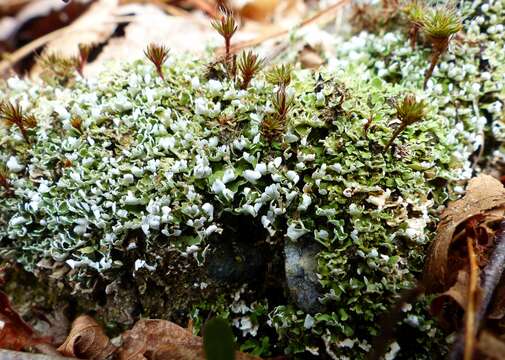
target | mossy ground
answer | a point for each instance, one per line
(158, 203)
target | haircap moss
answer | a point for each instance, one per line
(439, 25)
(248, 64)
(158, 55)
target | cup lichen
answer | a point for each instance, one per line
(154, 193)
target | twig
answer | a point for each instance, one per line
(491, 276)
(278, 33)
(22, 52)
(206, 7)
(470, 314)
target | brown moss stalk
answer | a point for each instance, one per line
(12, 115)
(158, 55)
(226, 26)
(248, 65)
(4, 180)
(84, 50)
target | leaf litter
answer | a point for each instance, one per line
(464, 268)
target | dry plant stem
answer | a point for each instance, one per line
(414, 29)
(439, 47)
(470, 314)
(22, 52)
(491, 276)
(316, 18)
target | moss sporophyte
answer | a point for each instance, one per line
(189, 196)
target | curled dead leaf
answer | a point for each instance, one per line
(484, 193)
(445, 305)
(87, 340)
(15, 333)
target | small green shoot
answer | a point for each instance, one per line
(280, 75)
(408, 111)
(226, 26)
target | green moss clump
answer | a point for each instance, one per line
(171, 187)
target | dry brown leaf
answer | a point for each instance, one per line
(491, 346)
(310, 59)
(95, 26)
(258, 10)
(455, 295)
(150, 335)
(180, 34)
(155, 339)
(36, 11)
(15, 333)
(483, 193)
(178, 352)
(87, 340)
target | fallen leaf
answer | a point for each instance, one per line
(151, 335)
(258, 10)
(155, 339)
(175, 352)
(181, 34)
(309, 58)
(87, 340)
(483, 193)
(491, 346)
(15, 333)
(445, 304)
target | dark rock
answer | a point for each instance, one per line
(301, 265)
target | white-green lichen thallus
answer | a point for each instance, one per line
(268, 200)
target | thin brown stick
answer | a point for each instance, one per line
(206, 7)
(330, 10)
(394, 136)
(434, 61)
(491, 276)
(470, 314)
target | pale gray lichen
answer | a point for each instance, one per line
(164, 176)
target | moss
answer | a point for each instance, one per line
(169, 201)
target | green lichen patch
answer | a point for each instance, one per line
(172, 190)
